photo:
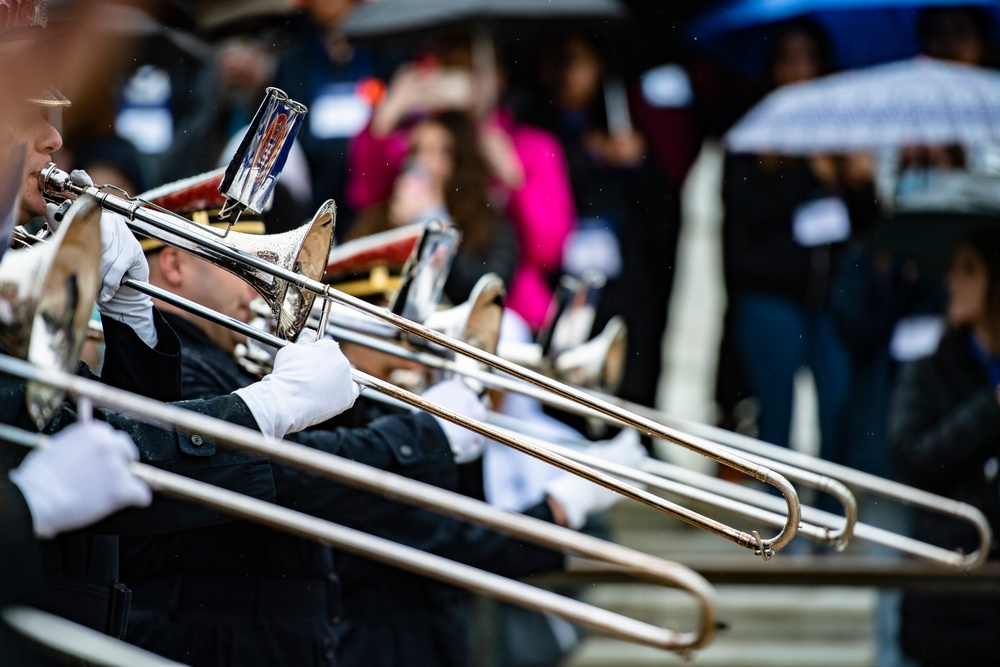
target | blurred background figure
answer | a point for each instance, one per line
(529, 181)
(447, 178)
(945, 435)
(784, 223)
(628, 213)
(960, 34)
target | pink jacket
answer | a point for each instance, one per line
(541, 210)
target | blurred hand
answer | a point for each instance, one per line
(414, 198)
(578, 498)
(407, 92)
(466, 445)
(80, 477)
(311, 382)
(498, 149)
(617, 150)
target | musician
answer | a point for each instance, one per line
(274, 598)
(389, 618)
(142, 355)
(81, 477)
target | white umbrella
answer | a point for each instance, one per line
(912, 102)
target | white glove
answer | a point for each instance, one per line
(80, 477)
(456, 396)
(449, 321)
(121, 258)
(578, 497)
(311, 382)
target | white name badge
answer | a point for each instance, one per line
(820, 222)
(915, 337)
(338, 112)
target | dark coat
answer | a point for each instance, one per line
(641, 207)
(379, 601)
(21, 579)
(82, 566)
(239, 557)
(944, 427)
(759, 251)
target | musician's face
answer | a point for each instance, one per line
(202, 282)
(968, 283)
(29, 123)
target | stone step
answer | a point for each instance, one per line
(773, 625)
(751, 611)
(760, 652)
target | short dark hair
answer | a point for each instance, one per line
(981, 21)
(984, 240)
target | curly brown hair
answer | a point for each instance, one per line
(466, 190)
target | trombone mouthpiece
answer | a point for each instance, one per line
(53, 179)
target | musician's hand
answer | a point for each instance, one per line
(311, 382)
(576, 498)
(80, 477)
(456, 396)
(121, 258)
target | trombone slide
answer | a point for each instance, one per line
(377, 481)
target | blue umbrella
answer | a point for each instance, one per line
(862, 32)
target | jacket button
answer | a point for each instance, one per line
(197, 440)
(406, 450)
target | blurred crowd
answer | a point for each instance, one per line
(559, 150)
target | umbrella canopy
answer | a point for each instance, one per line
(388, 17)
(914, 102)
(862, 32)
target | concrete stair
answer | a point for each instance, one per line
(772, 625)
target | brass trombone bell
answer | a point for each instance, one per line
(303, 251)
(47, 294)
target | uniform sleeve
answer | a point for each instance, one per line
(411, 445)
(190, 454)
(132, 365)
(20, 559)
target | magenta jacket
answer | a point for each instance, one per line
(541, 210)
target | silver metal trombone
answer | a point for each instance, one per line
(834, 531)
(643, 566)
(865, 482)
(176, 231)
(816, 524)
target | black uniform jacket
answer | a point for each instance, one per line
(87, 560)
(266, 588)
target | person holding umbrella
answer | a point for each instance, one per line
(782, 229)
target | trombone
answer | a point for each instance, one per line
(642, 565)
(260, 267)
(817, 524)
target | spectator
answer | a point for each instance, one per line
(629, 213)
(527, 166)
(782, 229)
(447, 178)
(945, 437)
